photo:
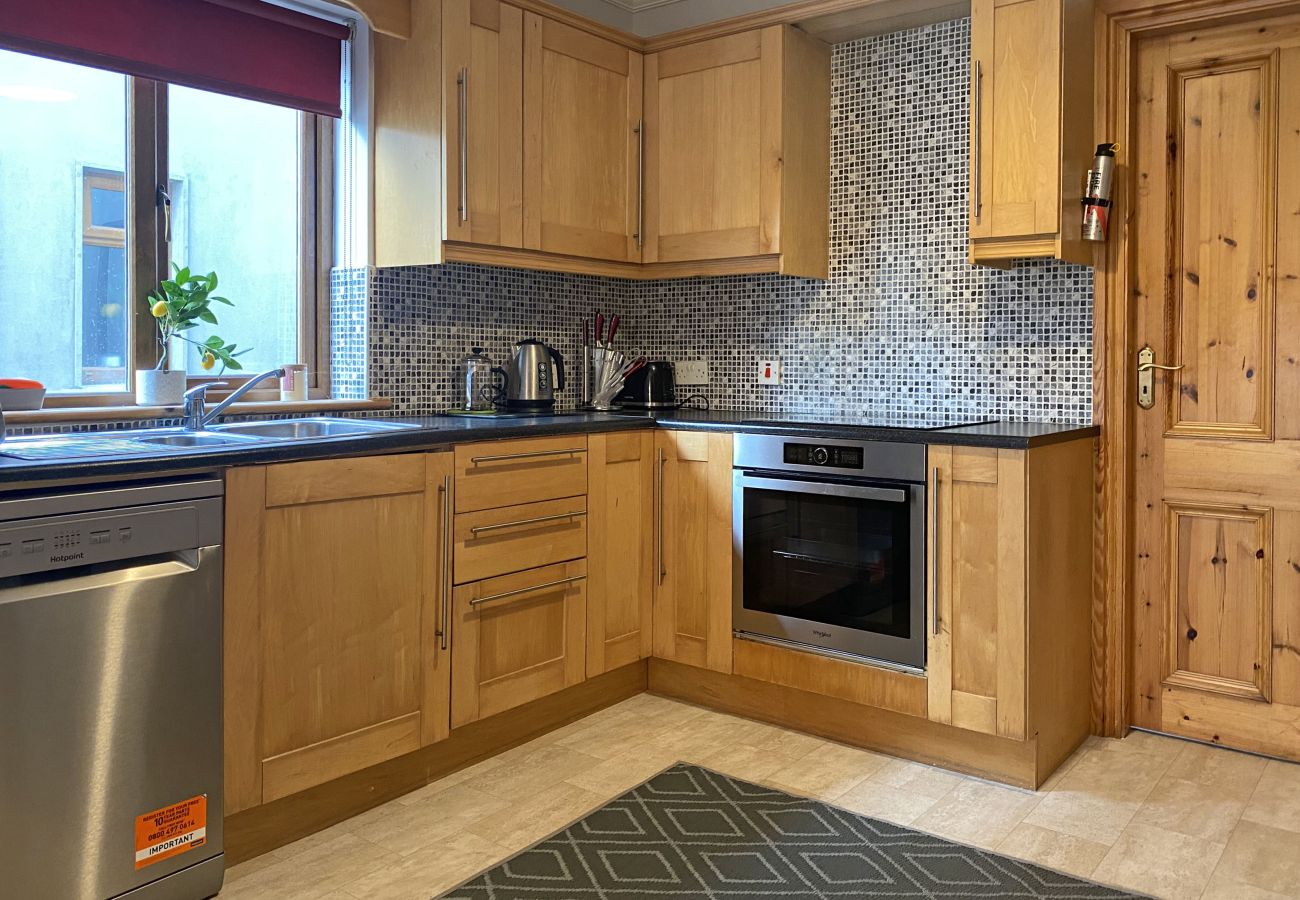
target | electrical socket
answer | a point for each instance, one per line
(769, 371)
(692, 371)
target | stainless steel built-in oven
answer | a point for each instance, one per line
(831, 541)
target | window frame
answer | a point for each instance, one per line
(148, 247)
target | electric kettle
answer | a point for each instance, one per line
(533, 375)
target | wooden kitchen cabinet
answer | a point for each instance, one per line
(483, 83)
(693, 567)
(1031, 128)
(582, 112)
(620, 543)
(334, 609)
(1009, 592)
(518, 637)
(738, 153)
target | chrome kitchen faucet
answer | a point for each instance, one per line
(197, 417)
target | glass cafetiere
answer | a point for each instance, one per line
(485, 384)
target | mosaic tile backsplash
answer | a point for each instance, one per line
(904, 324)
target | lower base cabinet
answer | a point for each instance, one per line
(693, 576)
(517, 638)
(334, 658)
(347, 642)
(620, 549)
(1011, 592)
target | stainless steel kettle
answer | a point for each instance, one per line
(533, 375)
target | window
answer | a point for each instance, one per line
(87, 228)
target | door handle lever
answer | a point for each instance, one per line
(1146, 376)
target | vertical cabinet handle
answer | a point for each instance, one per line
(462, 86)
(640, 182)
(659, 514)
(934, 552)
(977, 164)
(444, 490)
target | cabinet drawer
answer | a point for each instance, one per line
(513, 538)
(508, 473)
(518, 638)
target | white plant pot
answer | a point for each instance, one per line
(159, 388)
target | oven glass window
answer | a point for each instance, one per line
(834, 560)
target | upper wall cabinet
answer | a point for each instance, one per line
(483, 57)
(582, 112)
(1031, 128)
(738, 153)
(504, 136)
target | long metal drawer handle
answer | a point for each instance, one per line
(659, 514)
(528, 590)
(555, 518)
(978, 166)
(640, 182)
(475, 460)
(462, 84)
(934, 554)
(445, 490)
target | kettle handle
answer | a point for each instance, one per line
(502, 391)
(559, 368)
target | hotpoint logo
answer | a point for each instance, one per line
(67, 557)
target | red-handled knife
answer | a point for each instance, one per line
(613, 327)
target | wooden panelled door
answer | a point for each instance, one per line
(1217, 464)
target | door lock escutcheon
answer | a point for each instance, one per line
(1147, 366)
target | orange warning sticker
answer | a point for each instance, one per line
(165, 832)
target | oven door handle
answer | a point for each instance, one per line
(835, 489)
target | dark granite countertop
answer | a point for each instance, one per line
(434, 432)
(1004, 435)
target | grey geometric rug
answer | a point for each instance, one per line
(694, 834)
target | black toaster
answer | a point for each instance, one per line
(653, 386)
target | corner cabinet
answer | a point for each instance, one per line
(1009, 592)
(336, 655)
(693, 553)
(738, 154)
(1031, 128)
(582, 116)
(505, 136)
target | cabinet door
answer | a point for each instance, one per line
(328, 609)
(1016, 118)
(976, 659)
(620, 549)
(692, 616)
(483, 58)
(582, 109)
(713, 157)
(517, 638)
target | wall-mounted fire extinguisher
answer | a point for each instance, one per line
(1096, 196)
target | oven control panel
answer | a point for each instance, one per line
(832, 456)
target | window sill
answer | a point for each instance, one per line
(92, 415)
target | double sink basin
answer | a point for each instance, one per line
(279, 430)
(235, 434)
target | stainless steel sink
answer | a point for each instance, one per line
(194, 439)
(308, 429)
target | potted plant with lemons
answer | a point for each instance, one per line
(179, 305)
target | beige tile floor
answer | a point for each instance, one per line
(1148, 813)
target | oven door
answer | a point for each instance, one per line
(835, 565)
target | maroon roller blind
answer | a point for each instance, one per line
(242, 47)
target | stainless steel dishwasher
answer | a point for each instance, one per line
(110, 692)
